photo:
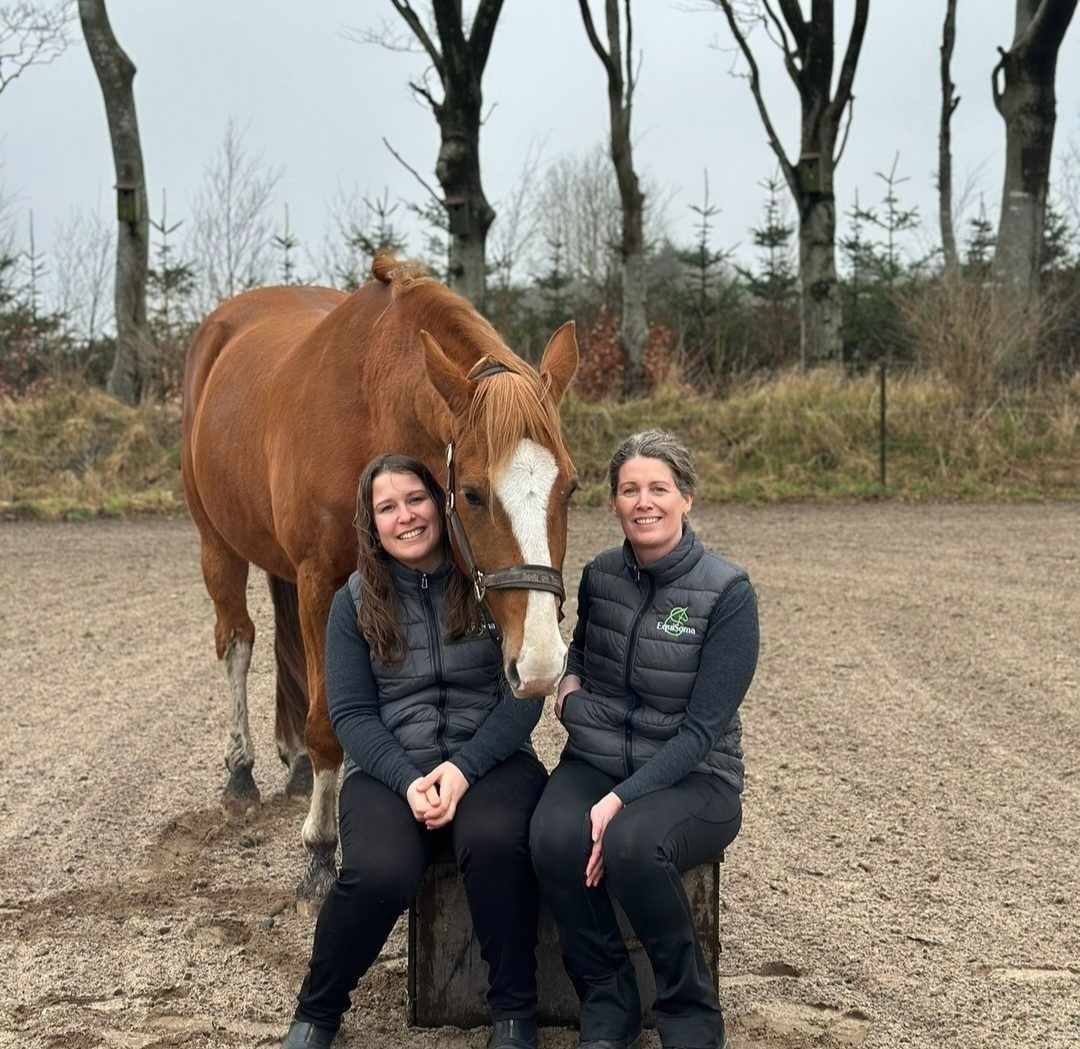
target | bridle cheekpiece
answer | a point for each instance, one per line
(518, 577)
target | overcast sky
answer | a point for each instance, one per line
(317, 105)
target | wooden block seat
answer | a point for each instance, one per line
(448, 978)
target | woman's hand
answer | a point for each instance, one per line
(421, 799)
(450, 784)
(568, 684)
(600, 815)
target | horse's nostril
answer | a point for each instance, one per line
(513, 676)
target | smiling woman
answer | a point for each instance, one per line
(437, 757)
(664, 650)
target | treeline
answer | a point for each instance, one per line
(714, 320)
(992, 308)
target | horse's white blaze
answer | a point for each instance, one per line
(241, 751)
(524, 489)
(320, 827)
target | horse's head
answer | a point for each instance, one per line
(511, 483)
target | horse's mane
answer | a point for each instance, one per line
(507, 406)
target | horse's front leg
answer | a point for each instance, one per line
(319, 833)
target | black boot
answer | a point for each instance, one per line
(513, 1034)
(307, 1036)
(611, 1043)
(721, 1041)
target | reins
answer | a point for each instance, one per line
(518, 577)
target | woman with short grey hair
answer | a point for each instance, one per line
(649, 782)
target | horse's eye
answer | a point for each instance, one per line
(473, 497)
(571, 488)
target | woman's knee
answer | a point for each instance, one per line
(630, 848)
(556, 841)
(391, 876)
(498, 837)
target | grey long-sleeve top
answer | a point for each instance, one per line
(352, 695)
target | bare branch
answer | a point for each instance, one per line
(412, 20)
(590, 29)
(796, 22)
(482, 31)
(851, 56)
(755, 87)
(419, 88)
(790, 56)
(1047, 27)
(415, 174)
(455, 48)
(998, 71)
(847, 129)
(400, 41)
(32, 35)
(629, 55)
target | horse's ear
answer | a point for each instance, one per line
(560, 359)
(445, 376)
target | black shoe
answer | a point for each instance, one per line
(720, 1043)
(611, 1043)
(307, 1036)
(513, 1034)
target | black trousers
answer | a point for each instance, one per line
(384, 855)
(646, 846)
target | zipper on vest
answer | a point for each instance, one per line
(436, 648)
(631, 697)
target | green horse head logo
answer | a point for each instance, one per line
(676, 621)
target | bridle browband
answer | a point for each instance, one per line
(518, 577)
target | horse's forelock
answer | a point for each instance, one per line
(510, 407)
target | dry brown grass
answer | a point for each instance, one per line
(75, 452)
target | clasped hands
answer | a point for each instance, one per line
(434, 798)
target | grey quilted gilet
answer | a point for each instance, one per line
(642, 649)
(434, 700)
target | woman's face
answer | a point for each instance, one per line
(407, 520)
(650, 507)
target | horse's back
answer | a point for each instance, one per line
(287, 310)
(230, 407)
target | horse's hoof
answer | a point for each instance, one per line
(317, 881)
(301, 779)
(241, 795)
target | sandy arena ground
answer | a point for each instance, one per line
(907, 873)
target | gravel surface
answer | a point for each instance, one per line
(906, 874)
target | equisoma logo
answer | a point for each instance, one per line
(675, 624)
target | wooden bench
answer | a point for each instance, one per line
(448, 978)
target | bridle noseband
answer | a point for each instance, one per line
(519, 577)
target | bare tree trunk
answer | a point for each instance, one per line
(459, 63)
(634, 329)
(949, 101)
(116, 73)
(821, 316)
(458, 172)
(808, 46)
(1028, 105)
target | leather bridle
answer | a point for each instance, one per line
(518, 577)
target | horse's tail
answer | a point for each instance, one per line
(292, 690)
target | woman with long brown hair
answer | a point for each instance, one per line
(437, 753)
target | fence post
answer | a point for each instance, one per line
(882, 425)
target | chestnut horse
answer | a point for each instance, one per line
(288, 393)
